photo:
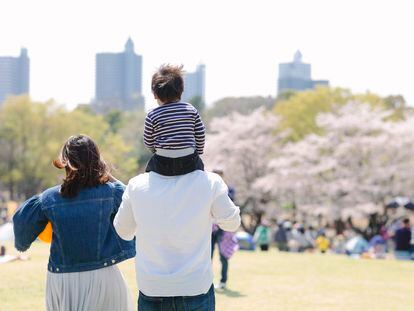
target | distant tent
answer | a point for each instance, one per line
(397, 202)
(392, 205)
(245, 241)
(409, 206)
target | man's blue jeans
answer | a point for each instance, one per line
(204, 302)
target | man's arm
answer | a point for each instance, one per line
(225, 214)
(124, 221)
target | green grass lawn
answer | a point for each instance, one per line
(257, 281)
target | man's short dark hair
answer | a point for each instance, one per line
(168, 83)
(406, 221)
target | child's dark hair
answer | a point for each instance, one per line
(168, 83)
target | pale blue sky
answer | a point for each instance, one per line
(362, 45)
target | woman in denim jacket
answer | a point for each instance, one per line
(85, 248)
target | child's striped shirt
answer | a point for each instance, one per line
(174, 126)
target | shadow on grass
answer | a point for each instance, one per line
(230, 293)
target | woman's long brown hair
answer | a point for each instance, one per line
(85, 168)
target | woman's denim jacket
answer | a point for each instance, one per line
(84, 237)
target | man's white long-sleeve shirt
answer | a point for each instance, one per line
(171, 217)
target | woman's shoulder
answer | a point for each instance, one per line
(118, 187)
(53, 192)
(38, 200)
(106, 190)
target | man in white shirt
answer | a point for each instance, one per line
(171, 218)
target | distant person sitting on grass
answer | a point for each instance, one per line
(322, 243)
(402, 240)
(4, 258)
(301, 242)
(262, 236)
(281, 237)
(173, 131)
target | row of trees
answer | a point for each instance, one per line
(31, 135)
(363, 157)
(325, 150)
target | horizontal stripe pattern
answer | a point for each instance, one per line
(174, 126)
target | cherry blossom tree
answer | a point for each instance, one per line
(241, 146)
(362, 157)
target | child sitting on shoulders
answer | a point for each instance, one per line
(173, 131)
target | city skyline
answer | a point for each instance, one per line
(242, 48)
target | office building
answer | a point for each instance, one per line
(14, 75)
(297, 76)
(119, 80)
(194, 84)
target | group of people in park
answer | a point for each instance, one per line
(291, 236)
(168, 218)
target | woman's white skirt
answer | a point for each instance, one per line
(97, 290)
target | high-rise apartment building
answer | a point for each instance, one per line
(119, 80)
(194, 84)
(296, 76)
(14, 75)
